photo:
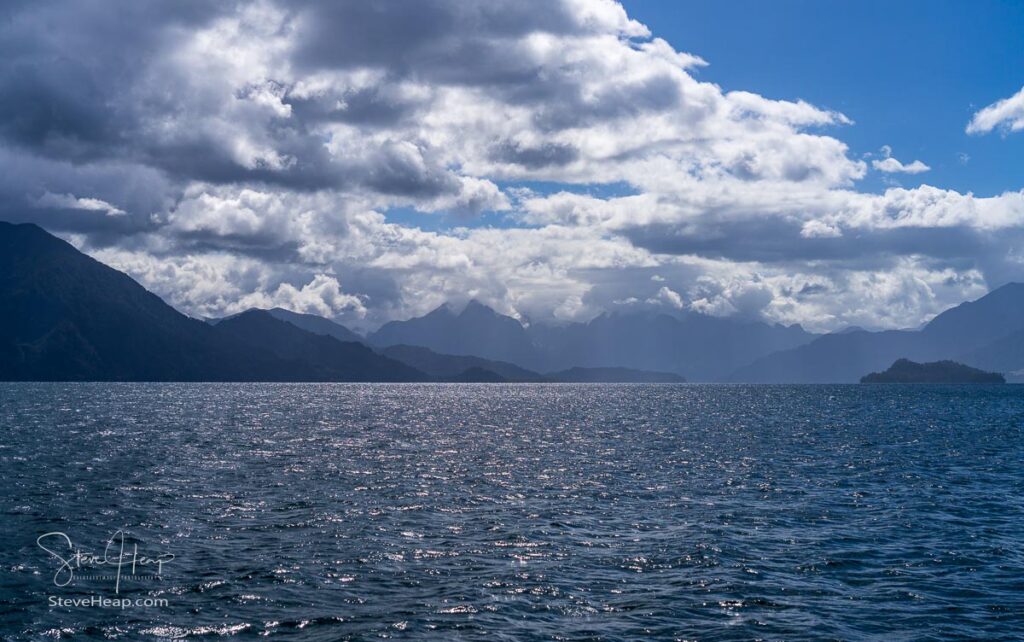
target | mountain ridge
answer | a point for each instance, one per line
(315, 357)
(68, 317)
(971, 332)
(309, 322)
(476, 330)
(696, 347)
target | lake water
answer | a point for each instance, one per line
(513, 512)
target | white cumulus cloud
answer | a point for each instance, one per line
(890, 165)
(73, 202)
(1006, 114)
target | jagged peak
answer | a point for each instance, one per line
(445, 309)
(475, 307)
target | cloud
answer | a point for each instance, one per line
(322, 296)
(819, 229)
(70, 201)
(890, 165)
(1006, 115)
(668, 297)
(251, 153)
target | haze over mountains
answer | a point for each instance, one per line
(66, 316)
(476, 330)
(695, 346)
(985, 334)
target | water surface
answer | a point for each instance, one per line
(520, 512)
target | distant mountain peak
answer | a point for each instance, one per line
(443, 310)
(1013, 287)
(476, 330)
(315, 324)
(475, 308)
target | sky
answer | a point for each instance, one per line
(796, 162)
(910, 74)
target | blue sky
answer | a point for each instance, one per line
(909, 73)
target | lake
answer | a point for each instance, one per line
(511, 512)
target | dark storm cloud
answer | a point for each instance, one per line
(450, 42)
(76, 85)
(60, 113)
(812, 289)
(79, 84)
(428, 37)
(104, 230)
(371, 107)
(197, 157)
(621, 100)
(265, 246)
(69, 68)
(68, 94)
(83, 113)
(392, 169)
(535, 157)
(26, 180)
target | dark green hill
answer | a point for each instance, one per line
(67, 317)
(314, 357)
(906, 371)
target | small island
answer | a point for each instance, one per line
(907, 371)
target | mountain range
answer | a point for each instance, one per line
(986, 334)
(695, 346)
(66, 316)
(476, 330)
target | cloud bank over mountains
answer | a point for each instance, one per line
(253, 153)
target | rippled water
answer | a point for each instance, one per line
(491, 512)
